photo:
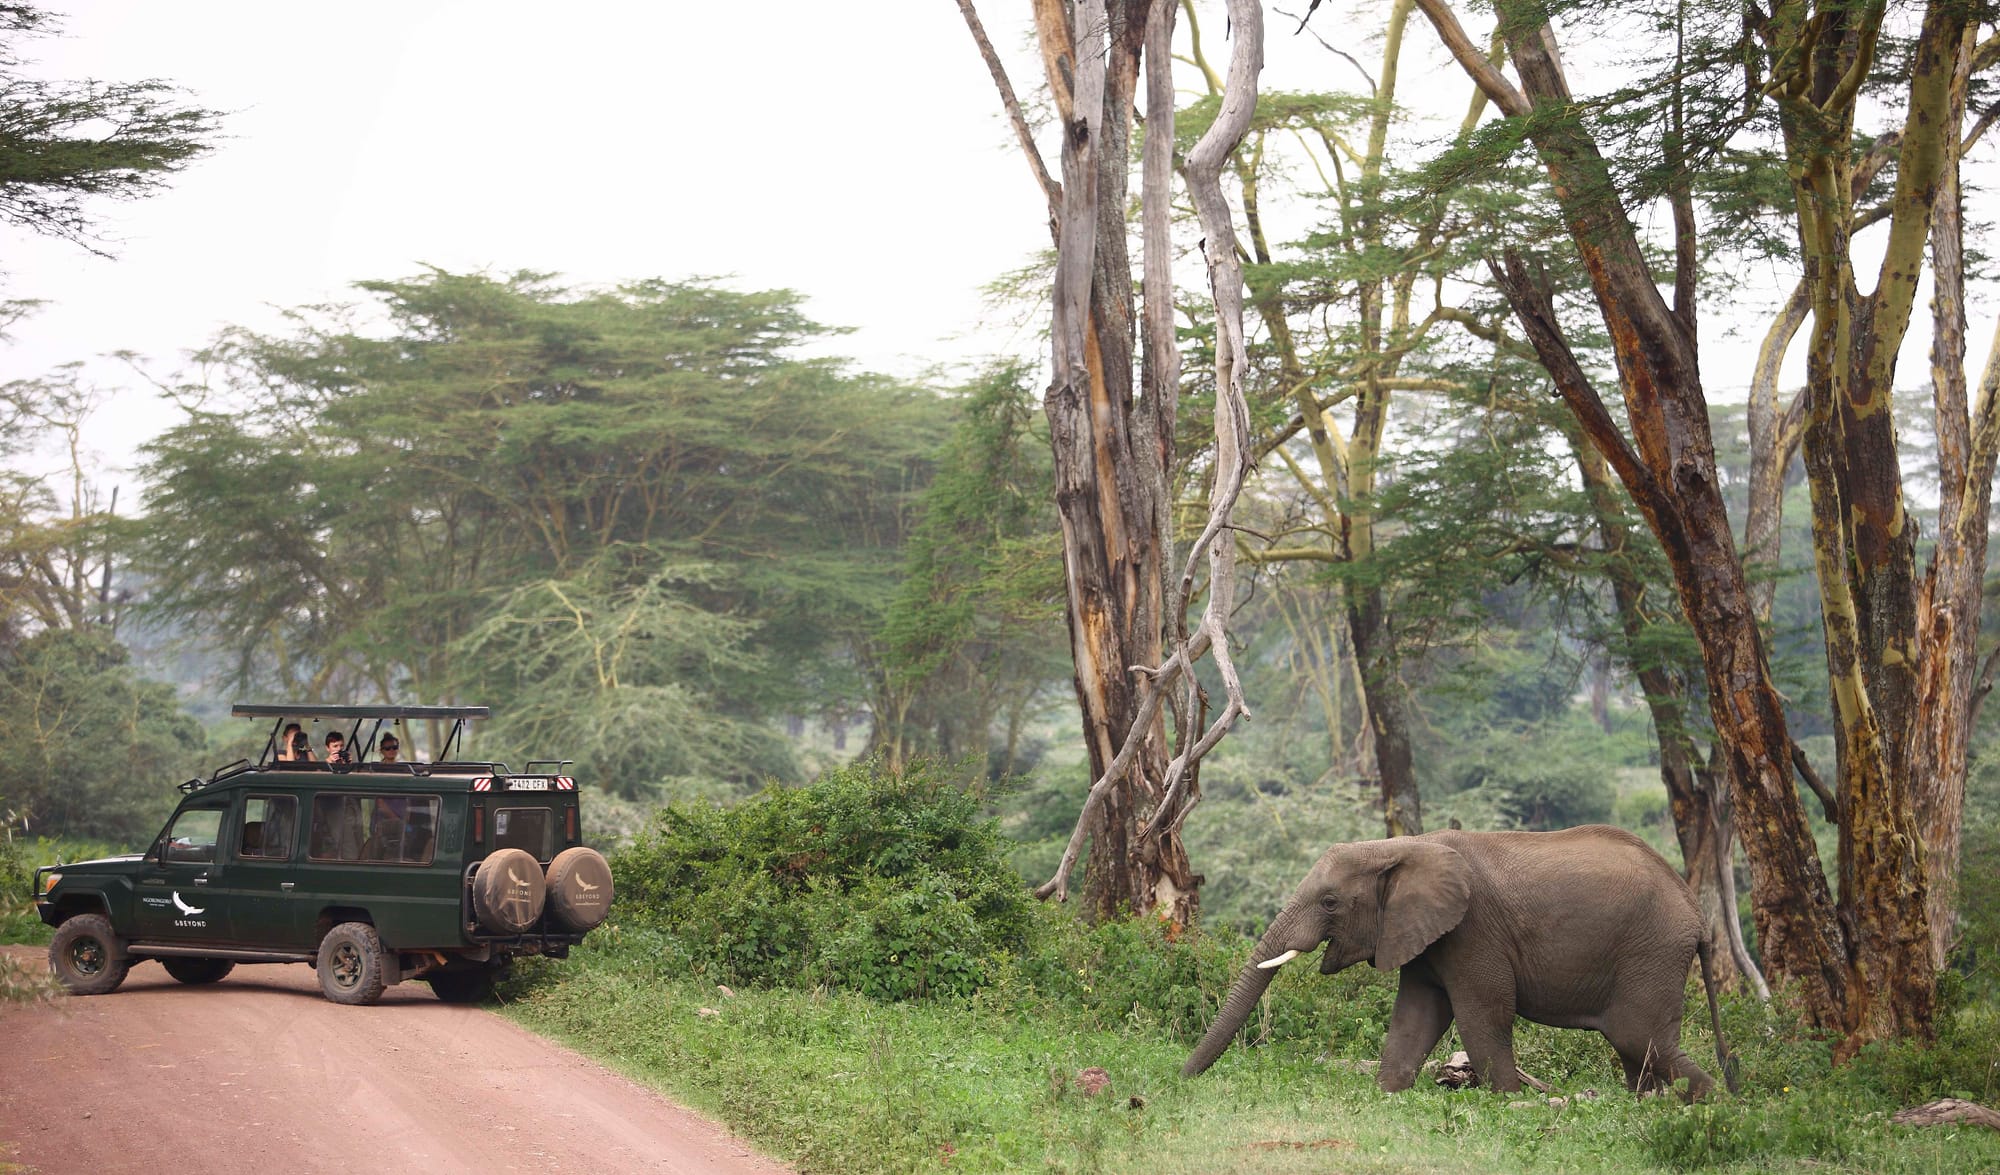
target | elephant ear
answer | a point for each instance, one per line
(1425, 889)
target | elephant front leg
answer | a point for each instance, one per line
(1423, 1012)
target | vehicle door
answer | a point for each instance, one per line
(180, 886)
(263, 904)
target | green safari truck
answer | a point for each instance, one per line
(372, 868)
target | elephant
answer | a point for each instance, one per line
(1583, 928)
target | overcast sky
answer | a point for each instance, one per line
(851, 152)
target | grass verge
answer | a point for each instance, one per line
(840, 1082)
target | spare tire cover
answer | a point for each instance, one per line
(507, 892)
(579, 888)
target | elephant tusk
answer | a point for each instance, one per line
(1279, 961)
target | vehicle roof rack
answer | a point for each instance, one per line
(315, 710)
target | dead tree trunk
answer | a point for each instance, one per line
(1113, 441)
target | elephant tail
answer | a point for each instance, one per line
(1722, 1058)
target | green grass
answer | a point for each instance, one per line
(838, 1082)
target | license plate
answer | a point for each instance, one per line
(527, 785)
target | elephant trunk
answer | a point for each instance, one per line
(1243, 996)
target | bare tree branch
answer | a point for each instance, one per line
(1050, 188)
(1477, 65)
(1827, 803)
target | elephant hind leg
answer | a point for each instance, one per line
(1423, 1012)
(1655, 1063)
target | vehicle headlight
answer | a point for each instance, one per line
(49, 881)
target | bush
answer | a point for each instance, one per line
(19, 858)
(1977, 960)
(17, 893)
(887, 884)
(1542, 795)
(1140, 974)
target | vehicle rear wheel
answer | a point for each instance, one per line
(507, 892)
(198, 970)
(579, 888)
(462, 987)
(350, 964)
(84, 956)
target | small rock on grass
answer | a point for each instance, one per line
(706, 1012)
(1092, 1081)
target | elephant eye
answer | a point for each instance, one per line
(1330, 902)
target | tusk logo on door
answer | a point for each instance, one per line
(188, 913)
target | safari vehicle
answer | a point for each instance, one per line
(373, 872)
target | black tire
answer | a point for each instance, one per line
(507, 892)
(579, 885)
(198, 970)
(350, 964)
(85, 956)
(462, 987)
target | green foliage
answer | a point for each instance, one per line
(1537, 794)
(624, 676)
(887, 883)
(63, 143)
(1141, 975)
(18, 922)
(19, 858)
(1514, 754)
(88, 748)
(579, 505)
(1978, 954)
(972, 634)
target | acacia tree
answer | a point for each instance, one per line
(1863, 967)
(64, 144)
(1376, 260)
(1112, 432)
(515, 467)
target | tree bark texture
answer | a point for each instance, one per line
(1669, 469)
(1886, 650)
(1948, 602)
(1900, 646)
(1696, 797)
(1106, 476)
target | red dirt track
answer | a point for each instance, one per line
(260, 1073)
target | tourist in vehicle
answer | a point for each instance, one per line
(391, 749)
(294, 746)
(336, 747)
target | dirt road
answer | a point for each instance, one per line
(259, 1073)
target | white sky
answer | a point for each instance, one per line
(853, 152)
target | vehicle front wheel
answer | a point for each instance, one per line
(350, 964)
(84, 956)
(198, 970)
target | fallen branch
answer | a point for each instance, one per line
(1947, 1111)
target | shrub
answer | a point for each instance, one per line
(888, 884)
(1140, 974)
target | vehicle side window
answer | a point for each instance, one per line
(192, 838)
(374, 829)
(523, 828)
(268, 822)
